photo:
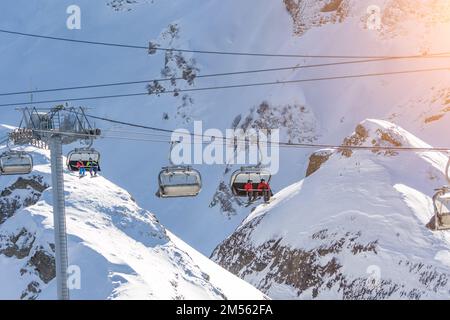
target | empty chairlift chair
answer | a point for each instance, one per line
(240, 177)
(179, 181)
(441, 202)
(84, 156)
(16, 163)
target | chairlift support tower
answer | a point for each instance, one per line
(55, 127)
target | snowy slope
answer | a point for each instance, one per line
(122, 251)
(354, 229)
(331, 108)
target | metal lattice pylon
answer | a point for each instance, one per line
(41, 124)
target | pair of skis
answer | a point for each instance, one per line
(94, 176)
(249, 203)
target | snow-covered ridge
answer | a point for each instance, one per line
(122, 251)
(324, 236)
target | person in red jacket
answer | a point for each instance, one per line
(82, 170)
(264, 188)
(248, 187)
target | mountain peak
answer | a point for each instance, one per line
(356, 213)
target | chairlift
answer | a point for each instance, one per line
(254, 173)
(182, 181)
(178, 181)
(441, 204)
(83, 155)
(240, 177)
(16, 163)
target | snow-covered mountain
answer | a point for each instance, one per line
(319, 112)
(359, 217)
(120, 250)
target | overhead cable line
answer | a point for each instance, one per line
(281, 144)
(245, 85)
(163, 135)
(200, 76)
(229, 53)
(309, 146)
(284, 144)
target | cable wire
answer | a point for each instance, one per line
(312, 146)
(177, 91)
(281, 144)
(222, 74)
(231, 53)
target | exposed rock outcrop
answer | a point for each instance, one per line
(11, 199)
(307, 14)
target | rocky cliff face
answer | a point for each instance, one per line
(22, 193)
(314, 273)
(37, 259)
(307, 14)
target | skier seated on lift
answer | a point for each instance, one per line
(93, 167)
(264, 188)
(81, 169)
(248, 187)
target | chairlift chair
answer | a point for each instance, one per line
(179, 181)
(83, 155)
(441, 203)
(16, 163)
(240, 177)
